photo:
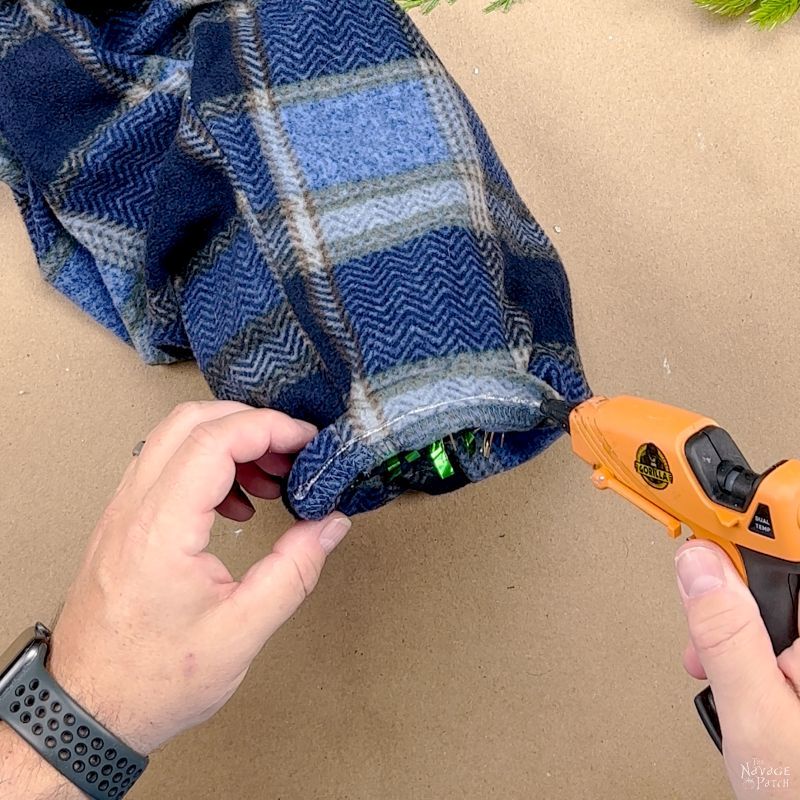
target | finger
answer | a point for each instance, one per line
(144, 469)
(691, 663)
(273, 588)
(256, 482)
(789, 665)
(169, 434)
(278, 464)
(727, 632)
(198, 477)
(236, 505)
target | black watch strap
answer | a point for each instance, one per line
(78, 746)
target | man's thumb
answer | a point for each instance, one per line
(726, 629)
(273, 588)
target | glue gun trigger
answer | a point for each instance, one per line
(603, 479)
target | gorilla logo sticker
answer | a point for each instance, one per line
(653, 466)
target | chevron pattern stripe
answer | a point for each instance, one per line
(316, 38)
(299, 197)
(436, 320)
(120, 170)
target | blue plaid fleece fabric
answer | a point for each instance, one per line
(298, 196)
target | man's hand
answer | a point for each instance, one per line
(756, 694)
(155, 635)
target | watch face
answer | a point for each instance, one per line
(11, 657)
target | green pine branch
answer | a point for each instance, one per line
(727, 8)
(774, 12)
(426, 6)
(764, 13)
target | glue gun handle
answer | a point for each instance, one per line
(707, 709)
(774, 585)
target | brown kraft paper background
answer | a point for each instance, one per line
(521, 638)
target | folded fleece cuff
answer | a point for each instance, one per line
(345, 467)
(298, 196)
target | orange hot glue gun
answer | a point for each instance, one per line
(683, 469)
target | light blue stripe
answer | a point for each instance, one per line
(364, 135)
(387, 210)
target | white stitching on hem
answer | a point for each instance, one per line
(303, 491)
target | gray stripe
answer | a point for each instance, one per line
(11, 171)
(398, 233)
(53, 261)
(356, 81)
(384, 220)
(16, 28)
(108, 241)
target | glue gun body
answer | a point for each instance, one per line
(683, 470)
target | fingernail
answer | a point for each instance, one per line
(333, 533)
(699, 571)
(310, 427)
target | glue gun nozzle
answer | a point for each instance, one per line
(557, 411)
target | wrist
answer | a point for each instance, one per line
(105, 700)
(25, 775)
